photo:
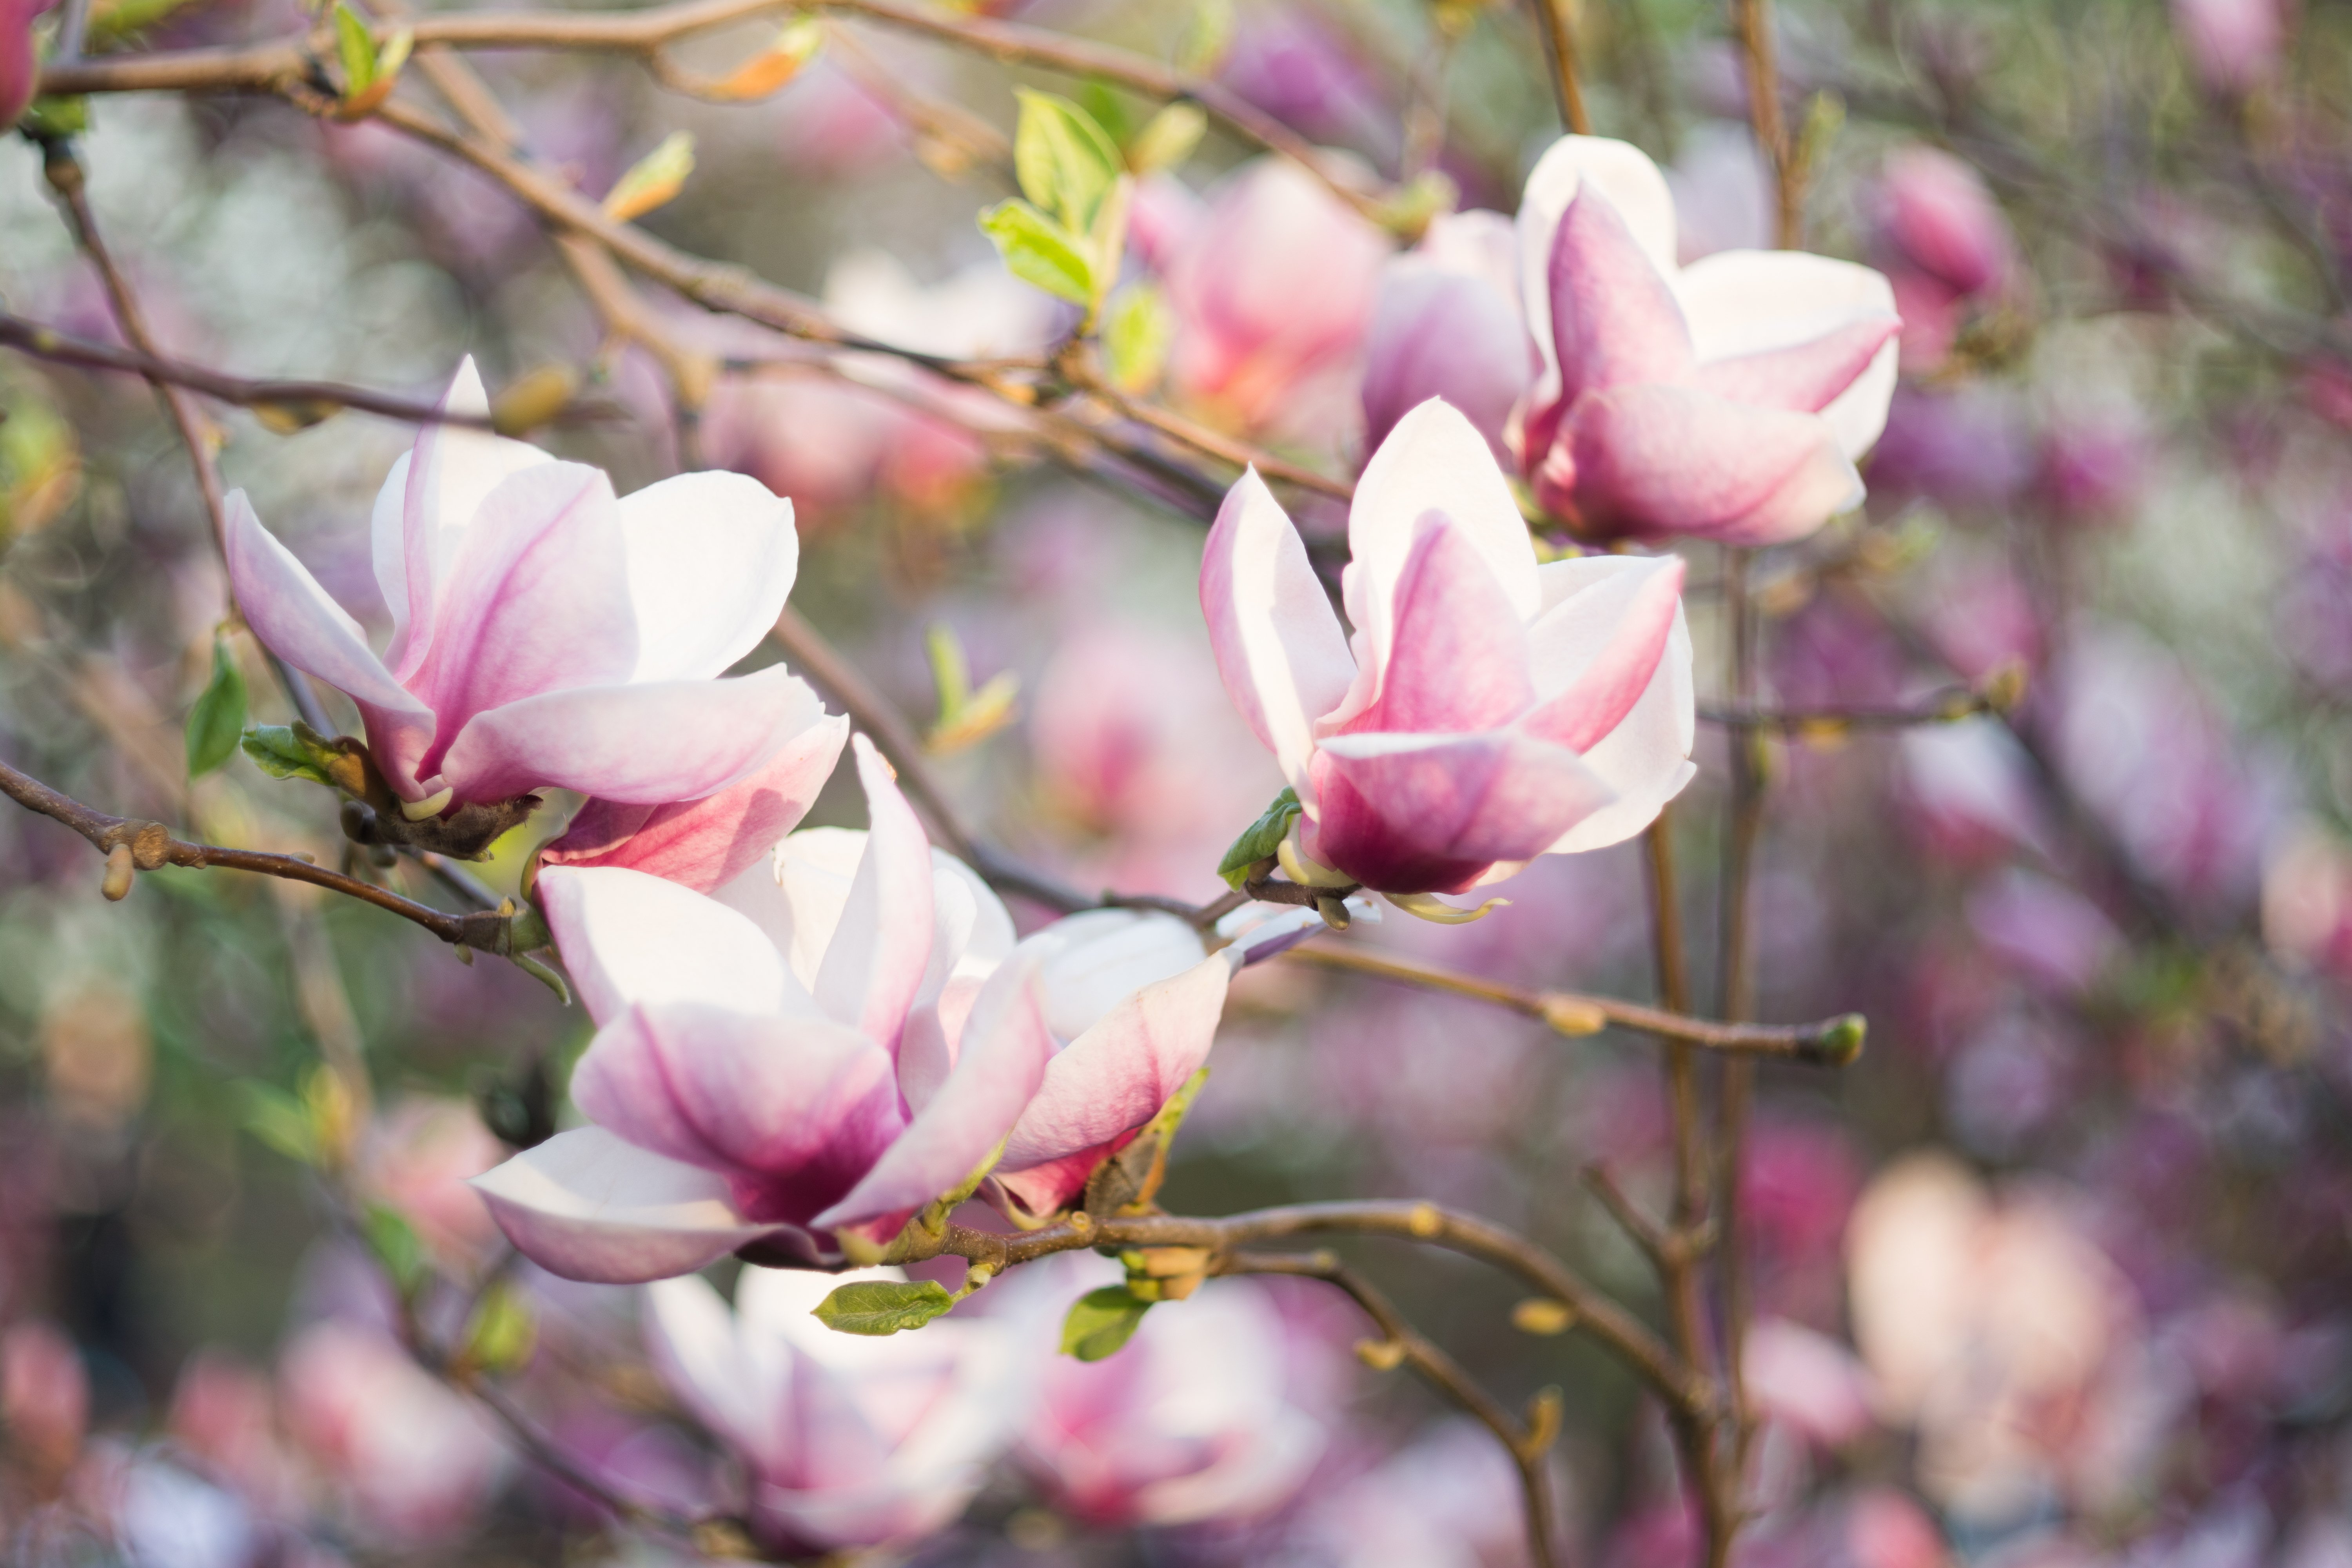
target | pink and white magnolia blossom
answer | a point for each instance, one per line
(825, 1047)
(546, 634)
(1191, 1421)
(1724, 400)
(1446, 323)
(849, 1441)
(2233, 45)
(1489, 711)
(20, 65)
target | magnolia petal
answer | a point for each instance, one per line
(1808, 376)
(415, 530)
(1634, 185)
(1002, 1059)
(1253, 1476)
(1434, 460)
(667, 740)
(1115, 1077)
(1457, 655)
(536, 597)
(295, 620)
(1646, 760)
(1661, 461)
(740, 1393)
(1279, 648)
(874, 963)
(1614, 316)
(586, 1205)
(1646, 604)
(630, 938)
(711, 558)
(706, 844)
(1428, 814)
(1746, 301)
(1438, 333)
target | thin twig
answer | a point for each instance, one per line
(1946, 707)
(1560, 53)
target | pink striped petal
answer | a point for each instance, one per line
(1457, 659)
(706, 844)
(794, 1111)
(1746, 301)
(586, 1205)
(1279, 647)
(1596, 699)
(1438, 333)
(1573, 164)
(1002, 1055)
(673, 739)
(1614, 316)
(874, 962)
(1652, 461)
(1806, 377)
(1428, 814)
(1646, 760)
(537, 598)
(295, 620)
(628, 938)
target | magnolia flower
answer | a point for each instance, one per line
(807, 1059)
(1190, 1421)
(1489, 710)
(1938, 218)
(545, 634)
(1727, 400)
(2233, 45)
(20, 65)
(1447, 324)
(850, 1441)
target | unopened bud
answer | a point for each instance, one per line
(534, 400)
(1543, 1315)
(1425, 1221)
(1380, 1355)
(2004, 689)
(119, 868)
(1573, 1016)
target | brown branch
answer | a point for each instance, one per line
(1560, 54)
(1752, 20)
(1833, 1042)
(1526, 1442)
(307, 397)
(1946, 707)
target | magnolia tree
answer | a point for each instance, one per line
(1428, 559)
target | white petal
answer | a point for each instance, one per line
(711, 559)
(1633, 183)
(628, 937)
(588, 1205)
(1096, 959)
(1646, 759)
(1741, 301)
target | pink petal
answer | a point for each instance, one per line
(1428, 814)
(1646, 760)
(628, 938)
(417, 528)
(741, 1394)
(706, 844)
(1438, 332)
(1003, 1057)
(1573, 164)
(1111, 1081)
(536, 599)
(1599, 695)
(874, 962)
(1746, 301)
(793, 1109)
(1806, 377)
(1615, 318)
(296, 621)
(666, 740)
(1433, 462)
(588, 1205)
(1658, 461)
(1279, 647)
(1457, 656)
(711, 557)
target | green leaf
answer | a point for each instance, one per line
(56, 117)
(504, 1330)
(1101, 1322)
(282, 754)
(653, 180)
(1167, 138)
(1208, 36)
(218, 718)
(1259, 839)
(355, 48)
(1067, 164)
(883, 1306)
(1136, 331)
(396, 1245)
(1041, 251)
(281, 1120)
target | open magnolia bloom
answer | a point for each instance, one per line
(548, 635)
(828, 1045)
(1725, 400)
(850, 1441)
(1489, 711)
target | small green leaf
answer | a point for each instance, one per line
(1066, 162)
(355, 48)
(1208, 35)
(1259, 839)
(1136, 331)
(396, 1245)
(951, 670)
(277, 750)
(504, 1330)
(1101, 1322)
(653, 180)
(883, 1306)
(56, 117)
(218, 718)
(1041, 251)
(281, 1120)
(1167, 138)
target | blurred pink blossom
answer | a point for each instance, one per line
(44, 1396)
(419, 1157)
(410, 1460)
(19, 66)
(1447, 324)
(2233, 45)
(1449, 1498)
